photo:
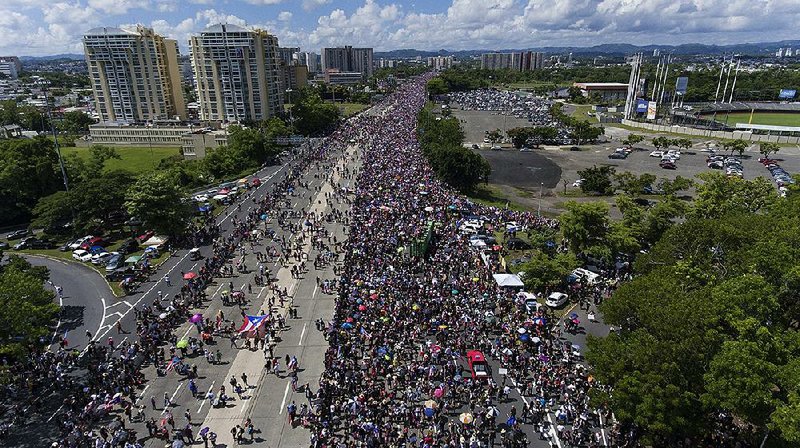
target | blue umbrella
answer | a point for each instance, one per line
(429, 412)
(524, 337)
(204, 208)
(573, 315)
(511, 421)
(347, 325)
(550, 244)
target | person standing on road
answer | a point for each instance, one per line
(244, 380)
(166, 280)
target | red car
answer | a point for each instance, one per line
(96, 241)
(145, 236)
(256, 181)
(479, 368)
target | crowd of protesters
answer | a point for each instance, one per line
(396, 373)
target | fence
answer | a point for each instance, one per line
(734, 135)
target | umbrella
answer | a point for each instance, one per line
(492, 412)
(430, 404)
(539, 321)
(163, 315)
(429, 412)
(428, 209)
(524, 337)
(521, 330)
(178, 444)
(347, 325)
(466, 418)
(189, 275)
(573, 315)
(576, 321)
(204, 431)
(536, 340)
(362, 308)
(438, 392)
(196, 318)
(183, 343)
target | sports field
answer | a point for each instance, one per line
(133, 159)
(769, 118)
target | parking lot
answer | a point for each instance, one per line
(552, 165)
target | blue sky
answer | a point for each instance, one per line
(42, 27)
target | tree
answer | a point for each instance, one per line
(597, 180)
(28, 171)
(661, 142)
(583, 131)
(98, 155)
(586, 226)
(632, 140)
(312, 116)
(683, 143)
(52, 212)
(26, 307)
(519, 136)
(632, 184)
(437, 86)
(76, 123)
(459, 167)
(97, 198)
(251, 145)
(767, 148)
(718, 195)
(733, 146)
(544, 272)
(495, 136)
(544, 134)
(156, 199)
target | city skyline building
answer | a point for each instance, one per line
(237, 73)
(348, 59)
(520, 61)
(135, 75)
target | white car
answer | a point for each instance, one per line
(674, 153)
(577, 183)
(201, 198)
(657, 154)
(556, 299)
(77, 243)
(586, 276)
(82, 255)
(102, 257)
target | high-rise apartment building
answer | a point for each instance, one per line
(348, 59)
(440, 62)
(135, 75)
(237, 73)
(522, 61)
(10, 66)
(310, 60)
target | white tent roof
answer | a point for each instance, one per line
(508, 280)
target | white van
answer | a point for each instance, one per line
(586, 276)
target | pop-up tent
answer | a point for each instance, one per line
(508, 280)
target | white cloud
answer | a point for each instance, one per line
(285, 16)
(114, 6)
(212, 17)
(263, 2)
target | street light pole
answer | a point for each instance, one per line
(541, 189)
(55, 135)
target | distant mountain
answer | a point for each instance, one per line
(70, 56)
(752, 49)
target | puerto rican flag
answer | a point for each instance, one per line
(253, 323)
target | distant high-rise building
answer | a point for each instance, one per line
(656, 53)
(135, 75)
(440, 62)
(310, 60)
(521, 61)
(779, 53)
(288, 55)
(237, 73)
(348, 59)
(10, 66)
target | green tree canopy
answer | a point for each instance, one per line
(156, 199)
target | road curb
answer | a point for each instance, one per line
(69, 262)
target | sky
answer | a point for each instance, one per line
(46, 27)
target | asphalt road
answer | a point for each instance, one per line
(526, 170)
(84, 299)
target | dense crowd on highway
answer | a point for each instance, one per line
(397, 371)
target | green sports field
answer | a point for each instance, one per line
(769, 118)
(133, 159)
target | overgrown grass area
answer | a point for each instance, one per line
(490, 195)
(135, 159)
(581, 112)
(349, 109)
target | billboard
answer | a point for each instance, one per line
(651, 110)
(680, 85)
(641, 106)
(787, 94)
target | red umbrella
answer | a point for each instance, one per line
(362, 308)
(189, 275)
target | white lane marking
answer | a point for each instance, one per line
(314, 294)
(102, 322)
(172, 399)
(141, 395)
(302, 333)
(54, 413)
(205, 398)
(285, 394)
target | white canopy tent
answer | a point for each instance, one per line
(508, 280)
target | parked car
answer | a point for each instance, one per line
(17, 234)
(574, 148)
(667, 165)
(93, 242)
(479, 368)
(556, 300)
(33, 243)
(82, 255)
(77, 243)
(115, 261)
(129, 246)
(145, 236)
(3, 245)
(657, 153)
(618, 155)
(103, 257)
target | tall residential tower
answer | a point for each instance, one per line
(237, 74)
(348, 59)
(135, 75)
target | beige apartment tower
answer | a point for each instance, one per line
(237, 74)
(135, 75)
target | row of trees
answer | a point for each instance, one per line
(757, 85)
(709, 324)
(581, 131)
(441, 140)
